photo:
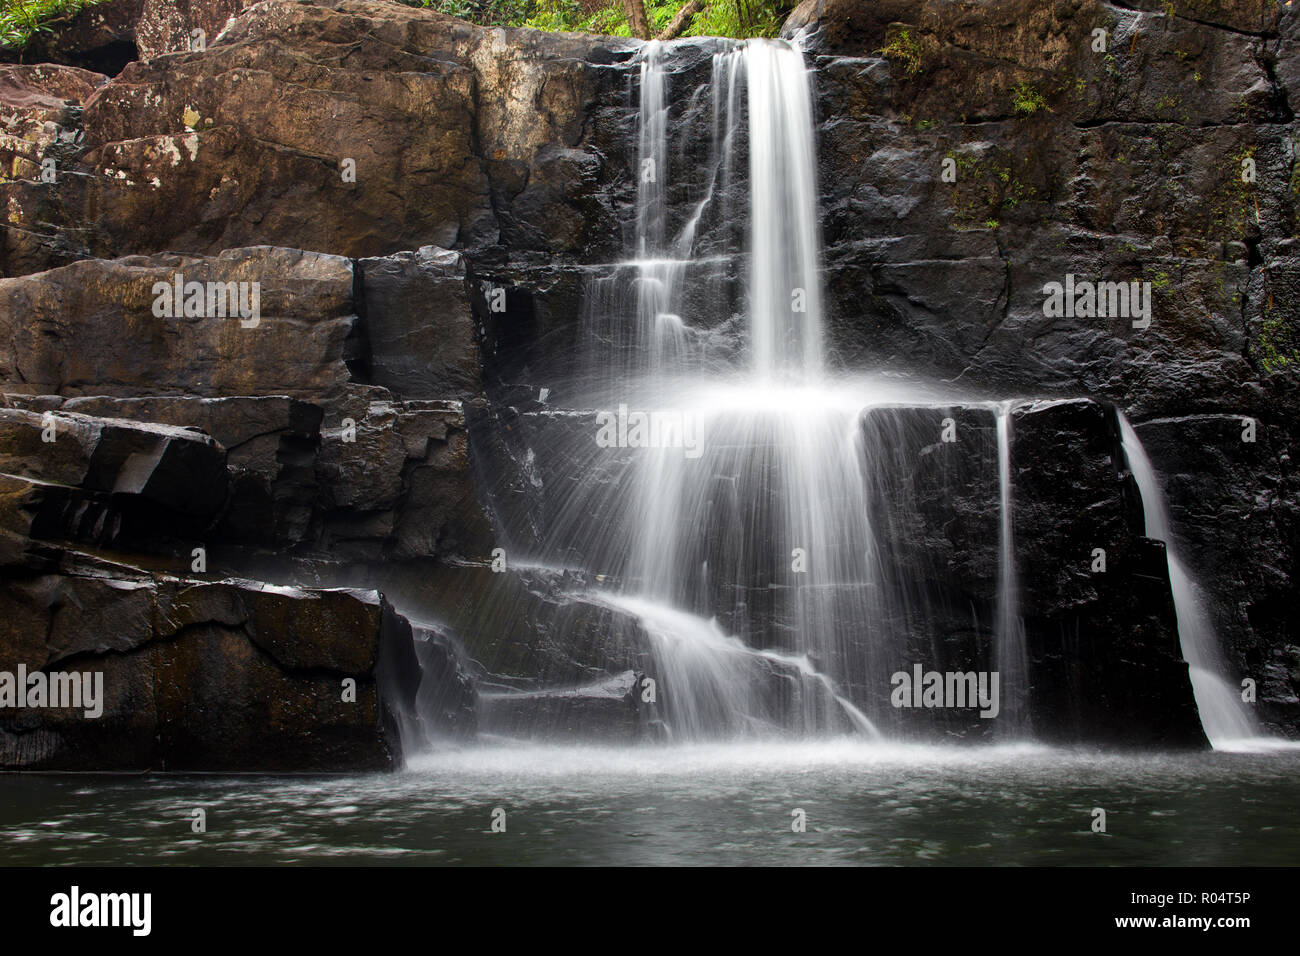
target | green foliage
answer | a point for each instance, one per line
(1279, 342)
(489, 13)
(905, 50)
(1231, 206)
(740, 19)
(20, 20)
(727, 18)
(1025, 100)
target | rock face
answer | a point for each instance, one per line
(283, 329)
(433, 217)
(1088, 622)
(195, 675)
(408, 129)
(1168, 158)
(106, 37)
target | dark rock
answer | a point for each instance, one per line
(418, 325)
(107, 481)
(99, 37)
(271, 445)
(606, 711)
(221, 676)
(396, 482)
(1103, 653)
(108, 36)
(1234, 511)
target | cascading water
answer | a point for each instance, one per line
(755, 564)
(765, 539)
(1012, 663)
(779, 471)
(1224, 717)
(785, 309)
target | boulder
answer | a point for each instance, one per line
(202, 676)
(106, 482)
(409, 128)
(103, 328)
(271, 448)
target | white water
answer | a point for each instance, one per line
(785, 321)
(783, 555)
(766, 540)
(1224, 717)
(713, 682)
(1012, 661)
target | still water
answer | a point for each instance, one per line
(686, 805)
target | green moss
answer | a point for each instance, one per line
(1232, 205)
(904, 49)
(1278, 342)
(21, 20)
(986, 186)
(1026, 100)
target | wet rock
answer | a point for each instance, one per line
(606, 711)
(211, 676)
(1234, 512)
(418, 326)
(271, 448)
(396, 481)
(525, 628)
(106, 481)
(173, 467)
(1103, 652)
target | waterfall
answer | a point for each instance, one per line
(768, 528)
(785, 286)
(1012, 664)
(1224, 717)
(765, 548)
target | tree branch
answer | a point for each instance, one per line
(682, 21)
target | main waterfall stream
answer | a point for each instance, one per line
(750, 531)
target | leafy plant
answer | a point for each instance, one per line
(905, 50)
(21, 20)
(729, 18)
(1026, 100)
